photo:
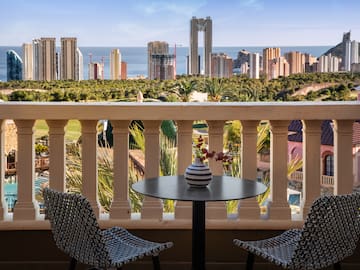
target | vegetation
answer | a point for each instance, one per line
(237, 88)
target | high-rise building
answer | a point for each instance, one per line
(28, 61)
(95, 71)
(47, 67)
(268, 55)
(196, 25)
(158, 48)
(354, 55)
(346, 39)
(221, 65)
(347, 56)
(36, 58)
(14, 66)
(68, 58)
(278, 67)
(123, 70)
(162, 67)
(328, 63)
(79, 63)
(296, 62)
(254, 65)
(115, 64)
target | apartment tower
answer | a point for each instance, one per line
(13, 66)
(28, 59)
(47, 57)
(221, 65)
(68, 58)
(254, 65)
(197, 25)
(36, 58)
(268, 55)
(296, 62)
(115, 64)
(79, 64)
(156, 47)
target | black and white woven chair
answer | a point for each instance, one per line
(330, 234)
(76, 232)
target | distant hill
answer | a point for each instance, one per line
(336, 51)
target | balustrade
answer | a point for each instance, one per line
(184, 114)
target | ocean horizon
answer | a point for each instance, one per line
(136, 57)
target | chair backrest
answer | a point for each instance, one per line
(330, 233)
(75, 228)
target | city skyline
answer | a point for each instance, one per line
(134, 23)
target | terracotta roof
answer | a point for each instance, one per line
(327, 135)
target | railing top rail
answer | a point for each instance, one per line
(349, 110)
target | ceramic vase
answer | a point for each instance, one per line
(198, 174)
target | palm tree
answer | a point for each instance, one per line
(215, 88)
(184, 88)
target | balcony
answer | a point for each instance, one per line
(26, 241)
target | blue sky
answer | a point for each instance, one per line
(136, 22)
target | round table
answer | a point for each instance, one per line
(221, 188)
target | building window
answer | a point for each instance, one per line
(329, 165)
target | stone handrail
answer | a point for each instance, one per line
(26, 212)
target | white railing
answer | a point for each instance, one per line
(26, 212)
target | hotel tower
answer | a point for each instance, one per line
(28, 60)
(115, 64)
(47, 63)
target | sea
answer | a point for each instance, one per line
(136, 57)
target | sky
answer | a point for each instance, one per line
(136, 22)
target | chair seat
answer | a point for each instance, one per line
(278, 249)
(124, 247)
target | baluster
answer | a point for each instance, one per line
(89, 163)
(279, 207)
(216, 210)
(249, 208)
(343, 158)
(120, 206)
(26, 207)
(57, 150)
(152, 207)
(184, 140)
(311, 163)
(3, 204)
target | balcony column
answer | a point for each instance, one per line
(26, 207)
(89, 163)
(279, 207)
(311, 163)
(184, 140)
(120, 206)
(343, 157)
(216, 210)
(3, 204)
(57, 152)
(249, 208)
(152, 208)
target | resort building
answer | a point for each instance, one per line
(221, 66)
(47, 59)
(269, 54)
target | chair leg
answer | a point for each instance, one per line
(337, 266)
(72, 264)
(156, 262)
(250, 261)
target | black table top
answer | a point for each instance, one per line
(221, 188)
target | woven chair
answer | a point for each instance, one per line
(330, 234)
(76, 232)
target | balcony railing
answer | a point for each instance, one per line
(26, 212)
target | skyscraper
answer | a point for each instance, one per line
(268, 55)
(115, 64)
(203, 25)
(296, 62)
(162, 67)
(14, 66)
(36, 58)
(28, 60)
(68, 58)
(79, 63)
(254, 65)
(221, 65)
(123, 70)
(95, 71)
(47, 69)
(158, 48)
